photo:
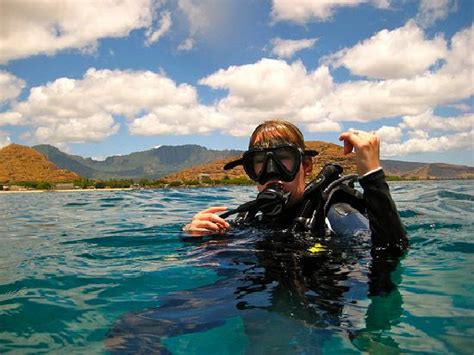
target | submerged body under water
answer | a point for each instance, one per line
(94, 271)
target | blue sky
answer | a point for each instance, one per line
(113, 77)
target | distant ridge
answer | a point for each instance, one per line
(65, 161)
(150, 164)
(186, 162)
(332, 153)
(20, 163)
(328, 153)
(410, 170)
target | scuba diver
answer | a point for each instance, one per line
(319, 250)
(279, 163)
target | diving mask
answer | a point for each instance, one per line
(280, 162)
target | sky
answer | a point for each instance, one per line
(111, 77)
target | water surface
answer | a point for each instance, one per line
(73, 264)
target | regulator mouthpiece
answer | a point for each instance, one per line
(272, 200)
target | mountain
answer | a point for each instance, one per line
(20, 163)
(412, 170)
(328, 153)
(151, 164)
(332, 153)
(65, 161)
(186, 162)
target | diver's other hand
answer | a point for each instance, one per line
(207, 221)
(366, 147)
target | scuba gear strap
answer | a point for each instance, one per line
(311, 216)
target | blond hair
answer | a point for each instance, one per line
(274, 132)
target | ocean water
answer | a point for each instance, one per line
(78, 267)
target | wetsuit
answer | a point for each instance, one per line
(350, 214)
(388, 233)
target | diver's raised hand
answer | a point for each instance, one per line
(366, 147)
(207, 221)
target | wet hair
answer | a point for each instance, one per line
(274, 132)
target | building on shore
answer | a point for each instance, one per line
(17, 188)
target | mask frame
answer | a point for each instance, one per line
(272, 164)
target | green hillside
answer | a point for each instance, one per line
(151, 164)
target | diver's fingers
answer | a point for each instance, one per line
(213, 218)
(350, 139)
(348, 147)
(359, 139)
(366, 147)
(207, 220)
(206, 225)
(214, 209)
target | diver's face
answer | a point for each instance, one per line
(295, 187)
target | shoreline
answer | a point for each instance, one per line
(190, 187)
(68, 190)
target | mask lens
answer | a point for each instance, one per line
(254, 162)
(288, 158)
(258, 160)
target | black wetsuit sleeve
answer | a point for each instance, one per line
(388, 233)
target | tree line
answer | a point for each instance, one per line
(130, 183)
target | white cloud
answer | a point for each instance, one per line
(197, 16)
(113, 91)
(431, 11)
(401, 53)
(10, 86)
(286, 48)
(429, 122)
(324, 126)
(12, 119)
(94, 128)
(418, 134)
(365, 101)
(4, 139)
(270, 88)
(164, 26)
(456, 141)
(423, 132)
(389, 134)
(381, 4)
(320, 10)
(187, 45)
(46, 27)
(211, 21)
(178, 120)
(69, 110)
(460, 57)
(370, 100)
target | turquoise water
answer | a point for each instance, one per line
(73, 265)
